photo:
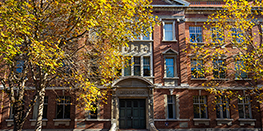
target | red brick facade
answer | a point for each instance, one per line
(184, 87)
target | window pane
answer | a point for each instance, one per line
(170, 111)
(168, 35)
(60, 111)
(45, 112)
(170, 99)
(196, 111)
(147, 37)
(137, 60)
(218, 111)
(146, 66)
(168, 28)
(241, 111)
(195, 34)
(199, 38)
(192, 37)
(67, 99)
(93, 114)
(225, 110)
(203, 111)
(67, 111)
(247, 111)
(169, 67)
(127, 69)
(137, 70)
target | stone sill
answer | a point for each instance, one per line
(65, 122)
(197, 43)
(198, 79)
(198, 121)
(33, 122)
(171, 78)
(92, 119)
(221, 121)
(240, 79)
(220, 79)
(171, 119)
(10, 122)
(247, 121)
(169, 40)
(141, 40)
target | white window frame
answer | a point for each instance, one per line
(220, 102)
(141, 66)
(173, 30)
(239, 71)
(165, 68)
(217, 36)
(173, 103)
(141, 37)
(176, 109)
(97, 111)
(35, 109)
(199, 104)
(195, 29)
(244, 104)
(64, 104)
(196, 68)
(218, 67)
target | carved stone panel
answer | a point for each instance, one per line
(132, 92)
(137, 48)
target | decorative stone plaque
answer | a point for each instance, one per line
(132, 92)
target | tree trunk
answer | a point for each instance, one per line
(18, 115)
(38, 125)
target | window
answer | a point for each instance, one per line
(146, 66)
(200, 108)
(219, 68)
(217, 35)
(63, 107)
(143, 37)
(197, 70)
(240, 70)
(93, 114)
(141, 66)
(127, 69)
(11, 113)
(195, 34)
(171, 107)
(137, 66)
(168, 31)
(169, 63)
(222, 107)
(244, 108)
(35, 110)
(19, 66)
(237, 35)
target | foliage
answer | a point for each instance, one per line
(233, 50)
(70, 41)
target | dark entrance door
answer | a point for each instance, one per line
(132, 114)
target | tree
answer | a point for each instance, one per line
(75, 41)
(233, 50)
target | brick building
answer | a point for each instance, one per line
(158, 91)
